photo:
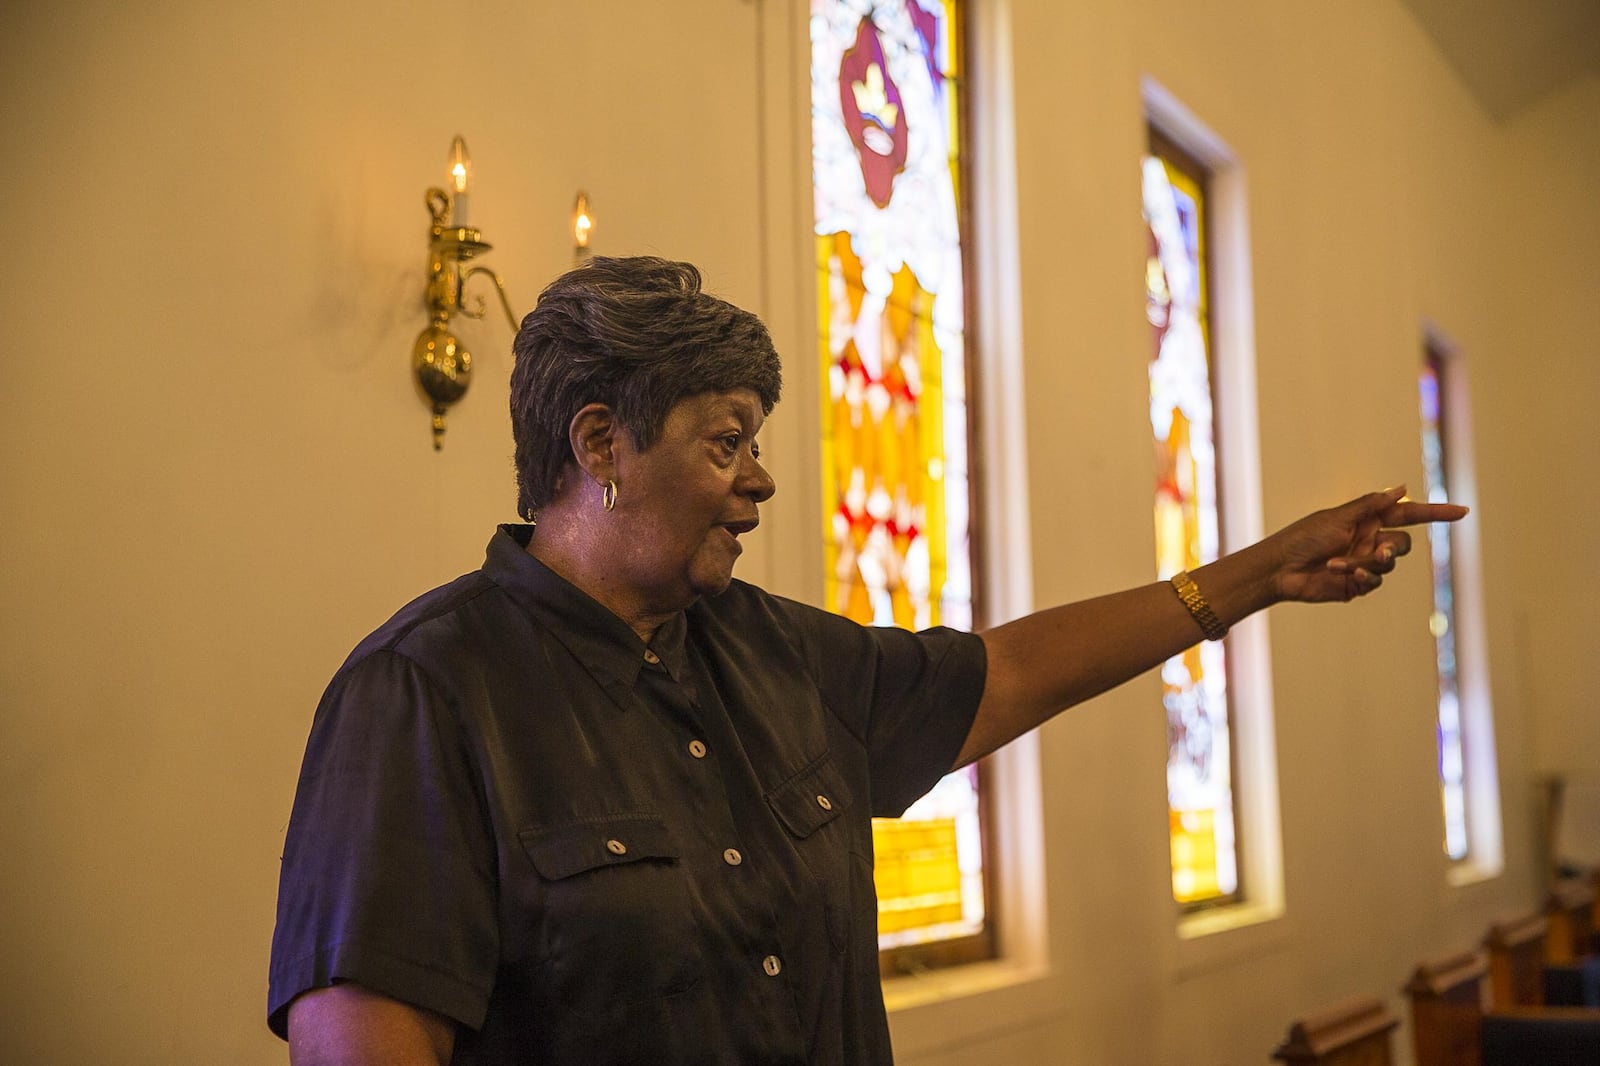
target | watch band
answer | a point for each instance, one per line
(1199, 609)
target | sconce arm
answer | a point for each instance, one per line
(499, 288)
(438, 204)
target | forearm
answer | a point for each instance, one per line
(1046, 662)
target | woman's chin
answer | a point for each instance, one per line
(712, 578)
(714, 584)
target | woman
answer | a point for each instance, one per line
(598, 802)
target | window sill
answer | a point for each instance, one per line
(932, 1010)
(1210, 939)
(1462, 874)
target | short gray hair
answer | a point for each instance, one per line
(636, 334)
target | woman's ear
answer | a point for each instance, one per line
(592, 435)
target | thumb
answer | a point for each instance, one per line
(1380, 502)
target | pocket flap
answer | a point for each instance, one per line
(565, 850)
(810, 799)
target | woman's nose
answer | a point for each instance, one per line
(759, 484)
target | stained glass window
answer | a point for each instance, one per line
(1200, 801)
(1452, 764)
(886, 80)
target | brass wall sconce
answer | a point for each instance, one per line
(442, 366)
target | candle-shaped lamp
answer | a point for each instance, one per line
(460, 179)
(582, 228)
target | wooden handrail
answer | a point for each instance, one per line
(1516, 961)
(1352, 1033)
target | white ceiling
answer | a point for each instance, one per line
(1509, 53)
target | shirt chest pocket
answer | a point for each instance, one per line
(810, 799)
(615, 923)
(811, 805)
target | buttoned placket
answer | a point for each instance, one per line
(756, 915)
(657, 680)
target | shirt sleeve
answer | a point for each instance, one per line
(909, 697)
(388, 866)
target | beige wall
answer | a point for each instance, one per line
(1549, 273)
(218, 478)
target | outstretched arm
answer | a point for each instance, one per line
(1046, 662)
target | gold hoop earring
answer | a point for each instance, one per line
(608, 495)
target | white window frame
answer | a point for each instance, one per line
(1233, 360)
(1485, 857)
(1018, 986)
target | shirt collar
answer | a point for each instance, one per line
(606, 645)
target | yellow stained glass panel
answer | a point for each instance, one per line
(1199, 753)
(891, 328)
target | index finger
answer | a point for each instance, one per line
(1414, 512)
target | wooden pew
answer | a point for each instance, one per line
(1353, 1033)
(1447, 1010)
(1450, 1027)
(1572, 970)
(1516, 961)
(1570, 909)
(1519, 976)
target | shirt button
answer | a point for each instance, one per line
(732, 857)
(697, 749)
(651, 657)
(616, 847)
(773, 965)
(825, 803)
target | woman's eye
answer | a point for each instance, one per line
(755, 450)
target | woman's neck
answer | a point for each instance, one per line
(567, 548)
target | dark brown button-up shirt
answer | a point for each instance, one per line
(586, 850)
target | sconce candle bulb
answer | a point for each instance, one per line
(460, 173)
(582, 228)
